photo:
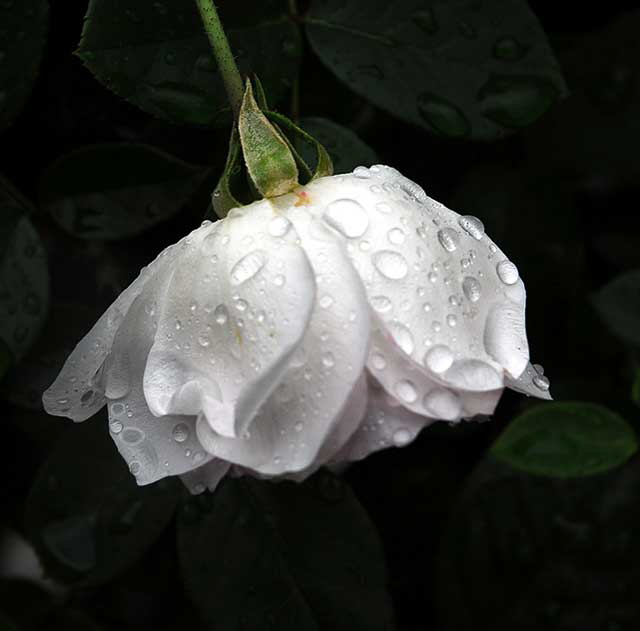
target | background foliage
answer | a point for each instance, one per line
(114, 133)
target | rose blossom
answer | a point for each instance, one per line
(307, 329)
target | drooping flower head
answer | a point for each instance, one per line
(307, 329)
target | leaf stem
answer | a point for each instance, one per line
(222, 52)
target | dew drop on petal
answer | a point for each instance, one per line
(221, 314)
(381, 304)
(326, 301)
(347, 217)
(378, 361)
(541, 382)
(443, 404)
(180, 432)
(406, 391)
(448, 239)
(401, 437)
(390, 264)
(507, 272)
(471, 288)
(438, 358)
(472, 226)
(328, 360)
(402, 336)
(247, 267)
(362, 172)
(396, 236)
(279, 226)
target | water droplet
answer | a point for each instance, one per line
(442, 116)
(178, 325)
(328, 360)
(221, 314)
(452, 320)
(135, 468)
(443, 404)
(401, 437)
(507, 272)
(326, 301)
(378, 361)
(210, 244)
(391, 264)
(516, 101)
(362, 172)
(279, 280)
(396, 236)
(471, 288)
(247, 267)
(402, 336)
(438, 358)
(241, 305)
(347, 217)
(426, 21)
(279, 226)
(381, 304)
(472, 226)
(132, 436)
(116, 427)
(298, 426)
(384, 208)
(541, 382)
(509, 49)
(180, 432)
(117, 409)
(448, 238)
(406, 391)
(204, 341)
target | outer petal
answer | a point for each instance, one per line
(77, 392)
(433, 278)
(236, 310)
(206, 477)
(294, 423)
(531, 382)
(386, 424)
(152, 447)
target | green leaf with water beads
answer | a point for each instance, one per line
(116, 190)
(23, 31)
(85, 514)
(270, 163)
(155, 54)
(565, 440)
(477, 70)
(287, 556)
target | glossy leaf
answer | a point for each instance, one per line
(156, 54)
(24, 278)
(459, 69)
(116, 190)
(346, 150)
(567, 439)
(283, 556)
(23, 31)
(618, 304)
(85, 514)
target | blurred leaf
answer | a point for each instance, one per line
(269, 555)
(346, 150)
(86, 516)
(618, 304)
(529, 552)
(461, 69)
(24, 278)
(23, 30)
(156, 54)
(6, 624)
(635, 388)
(594, 133)
(565, 440)
(116, 190)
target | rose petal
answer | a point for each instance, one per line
(433, 277)
(77, 391)
(235, 312)
(206, 477)
(293, 424)
(531, 382)
(386, 424)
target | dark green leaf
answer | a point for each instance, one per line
(23, 30)
(24, 278)
(286, 556)
(618, 304)
(156, 54)
(116, 190)
(567, 439)
(529, 553)
(461, 69)
(346, 150)
(86, 516)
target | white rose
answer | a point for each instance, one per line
(307, 329)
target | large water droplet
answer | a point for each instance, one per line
(391, 264)
(221, 314)
(402, 336)
(396, 236)
(516, 101)
(362, 172)
(471, 288)
(507, 272)
(378, 361)
(438, 358)
(401, 437)
(381, 304)
(180, 432)
(247, 267)
(442, 116)
(443, 404)
(279, 226)
(472, 226)
(347, 217)
(406, 391)
(541, 382)
(448, 239)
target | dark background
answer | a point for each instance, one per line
(469, 542)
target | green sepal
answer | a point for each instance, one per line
(269, 160)
(261, 96)
(223, 199)
(324, 165)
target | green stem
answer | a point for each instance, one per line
(222, 52)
